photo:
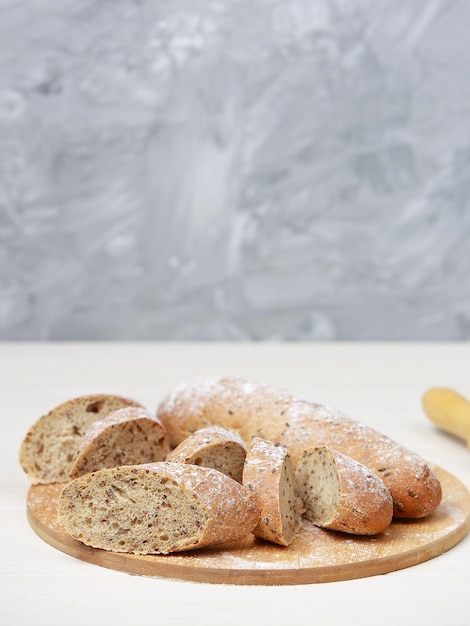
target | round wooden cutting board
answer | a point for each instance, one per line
(315, 556)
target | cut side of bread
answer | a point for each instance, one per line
(47, 451)
(156, 508)
(216, 447)
(269, 476)
(127, 436)
(339, 493)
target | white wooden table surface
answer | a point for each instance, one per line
(379, 384)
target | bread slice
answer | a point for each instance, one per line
(156, 508)
(342, 494)
(127, 436)
(47, 451)
(220, 448)
(268, 474)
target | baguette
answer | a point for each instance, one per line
(268, 474)
(156, 508)
(127, 436)
(220, 448)
(341, 494)
(47, 451)
(260, 411)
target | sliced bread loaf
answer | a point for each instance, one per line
(127, 436)
(220, 448)
(276, 415)
(341, 494)
(47, 451)
(268, 474)
(156, 508)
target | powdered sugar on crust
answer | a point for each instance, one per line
(276, 453)
(366, 485)
(190, 396)
(216, 433)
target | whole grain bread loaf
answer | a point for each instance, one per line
(340, 493)
(261, 411)
(156, 508)
(220, 448)
(269, 475)
(47, 451)
(127, 436)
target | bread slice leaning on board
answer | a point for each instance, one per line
(128, 436)
(156, 508)
(256, 410)
(47, 451)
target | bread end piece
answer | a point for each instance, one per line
(156, 508)
(341, 494)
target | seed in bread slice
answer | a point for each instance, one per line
(268, 474)
(47, 451)
(340, 493)
(220, 448)
(127, 436)
(156, 508)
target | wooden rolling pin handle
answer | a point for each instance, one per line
(449, 410)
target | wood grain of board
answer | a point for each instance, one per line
(315, 556)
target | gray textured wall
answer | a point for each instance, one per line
(238, 169)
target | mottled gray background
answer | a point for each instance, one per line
(238, 169)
